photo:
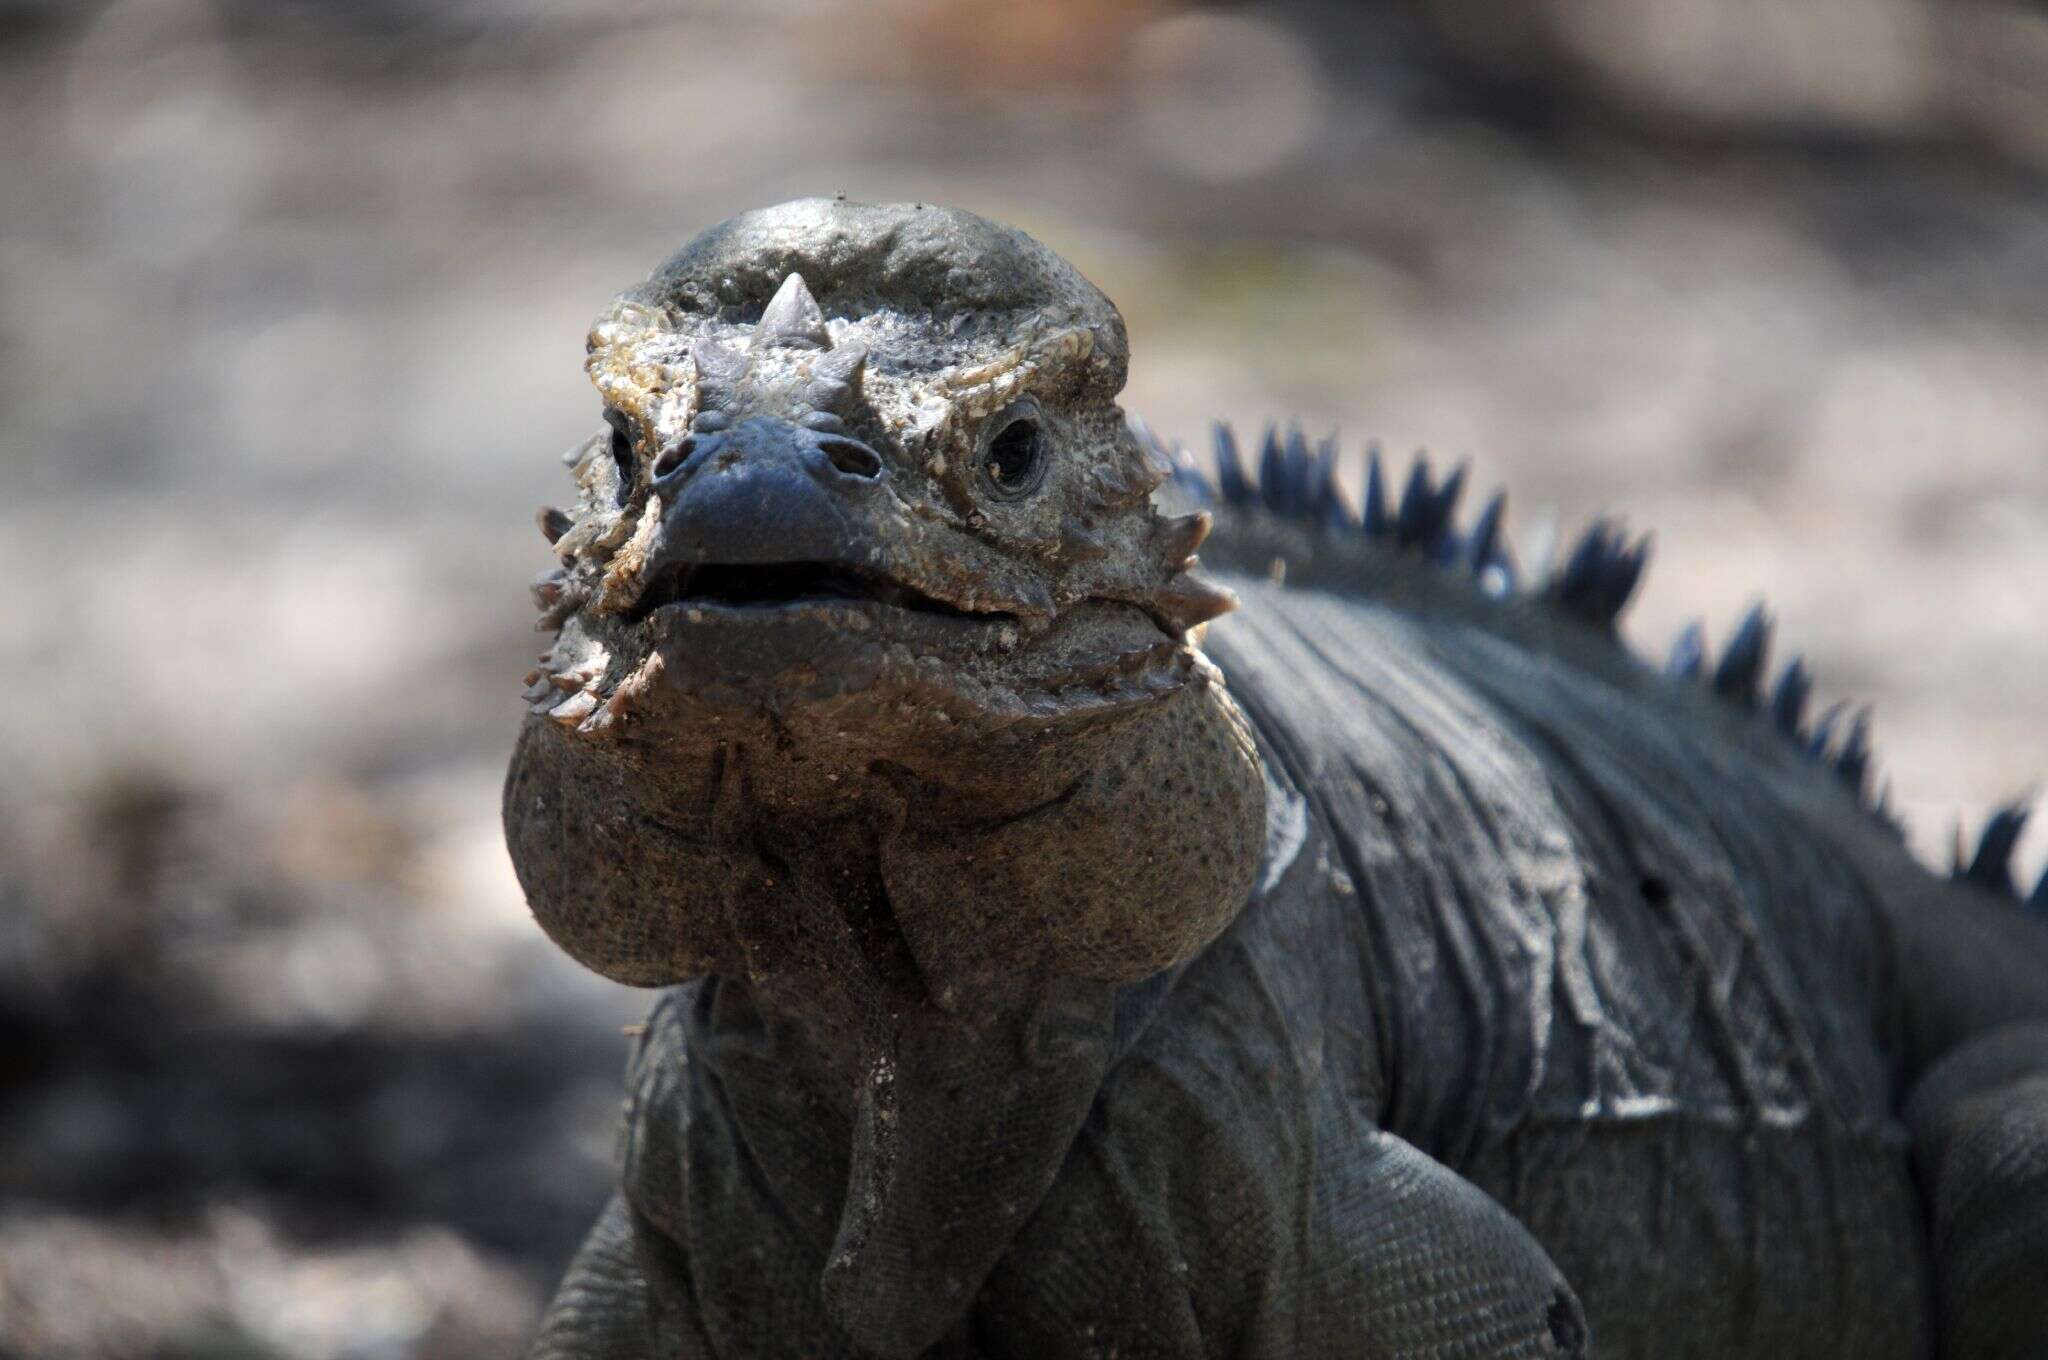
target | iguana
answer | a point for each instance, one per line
(1063, 965)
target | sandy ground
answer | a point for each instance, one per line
(291, 317)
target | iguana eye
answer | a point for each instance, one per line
(1014, 458)
(621, 449)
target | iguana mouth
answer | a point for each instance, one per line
(767, 586)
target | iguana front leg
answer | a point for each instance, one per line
(1980, 1146)
(1266, 1233)
(603, 1309)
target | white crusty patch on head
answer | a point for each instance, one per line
(977, 391)
(641, 366)
(568, 685)
(624, 574)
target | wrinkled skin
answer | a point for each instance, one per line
(1383, 970)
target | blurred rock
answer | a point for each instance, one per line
(1970, 76)
(235, 1288)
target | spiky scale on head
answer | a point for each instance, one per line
(720, 369)
(791, 319)
(1180, 538)
(835, 379)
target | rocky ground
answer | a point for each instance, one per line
(292, 300)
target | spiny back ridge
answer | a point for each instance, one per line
(1301, 483)
(1990, 865)
(1601, 574)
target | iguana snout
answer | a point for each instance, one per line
(759, 500)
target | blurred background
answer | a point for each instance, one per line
(292, 304)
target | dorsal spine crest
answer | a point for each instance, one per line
(1600, 575)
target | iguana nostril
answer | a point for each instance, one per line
(852, 457)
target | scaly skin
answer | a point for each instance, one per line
(1395, 967)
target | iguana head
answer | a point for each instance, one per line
(865, 541)
(857, 461)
